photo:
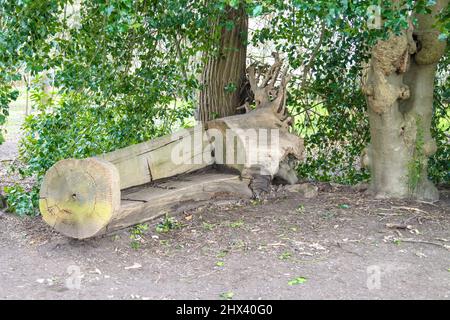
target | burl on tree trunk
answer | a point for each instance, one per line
(89, 197)
(399, 89)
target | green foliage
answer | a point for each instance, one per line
(222, 254)
(285, 255)
(24, 30)
(296, 281)
(227, 295)
(125, 71)
(439, 164)
(7, 94)
(120, 69)
(168, 224)
(236, 224)
(136, 234)
(220, 263)
(416, 165)
(22, 202)
(327, 43)
(208, 226)
(74, 128)
(119, 54)
(443, 24)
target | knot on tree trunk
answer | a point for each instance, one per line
(382, 82)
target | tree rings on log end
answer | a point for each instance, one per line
(78, 198)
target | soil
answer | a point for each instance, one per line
(342, 244)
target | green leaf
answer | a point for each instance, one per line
(234, 3)
(229, 25)
(257, 10)
(285, 256)
(442, 37)
(109, 10)
(227, 295)
(296, 281)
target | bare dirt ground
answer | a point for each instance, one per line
(341, 244)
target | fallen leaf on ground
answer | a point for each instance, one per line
(299, 280)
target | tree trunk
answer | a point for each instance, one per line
(224, 73)
(82, 199)
(399, 91)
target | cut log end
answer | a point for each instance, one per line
(78, 198)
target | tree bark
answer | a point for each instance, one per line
(224, 73)
(399, 90)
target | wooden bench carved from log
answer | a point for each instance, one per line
(89, 197)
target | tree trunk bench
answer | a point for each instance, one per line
(89, 197)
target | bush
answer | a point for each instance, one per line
(22, 202)
(71, 127)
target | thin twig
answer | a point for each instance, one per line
(411, 209)
(426, 202)
(424, 242)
